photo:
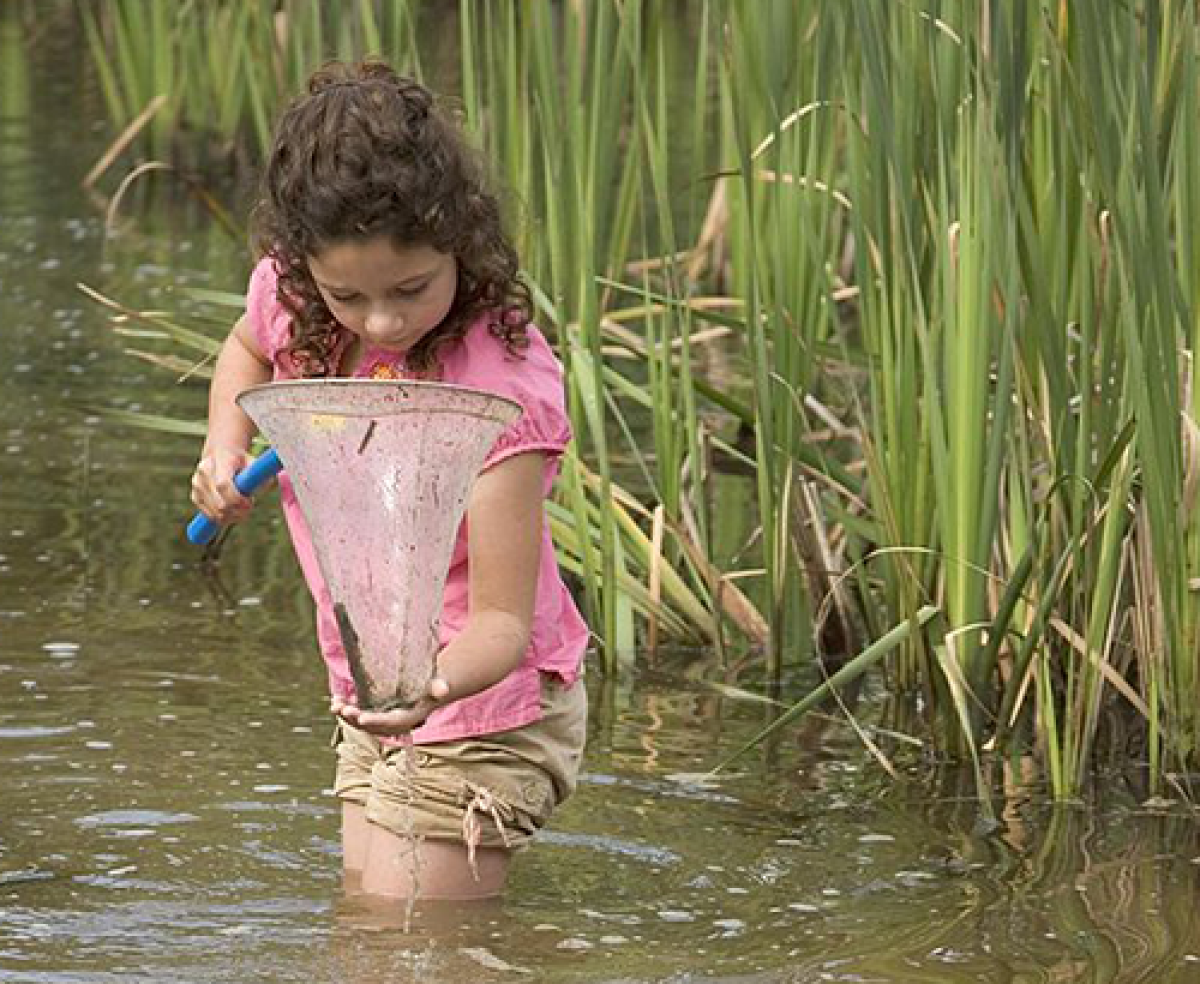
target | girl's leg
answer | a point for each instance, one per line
(355, 835)
(435, 869)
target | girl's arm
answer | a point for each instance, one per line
(504, 546)
(240, 365)
(504, 539)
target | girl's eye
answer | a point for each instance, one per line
(349, 299)
(409, 291)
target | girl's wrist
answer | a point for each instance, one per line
(225, 443)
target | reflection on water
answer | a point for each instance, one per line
(164, 750)
(160, 822)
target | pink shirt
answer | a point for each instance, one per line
(559, 635)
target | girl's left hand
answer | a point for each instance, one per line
(395, 723)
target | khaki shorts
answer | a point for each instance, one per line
(495, 790)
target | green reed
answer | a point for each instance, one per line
(224, 67)
(925, 272)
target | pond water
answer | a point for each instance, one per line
(164, 760)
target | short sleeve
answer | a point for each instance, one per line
(268, 319)
(534, 379)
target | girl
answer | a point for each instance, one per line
(383, 257)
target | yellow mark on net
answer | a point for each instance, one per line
(327, 422)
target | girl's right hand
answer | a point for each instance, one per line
(213, 491)
(392, 724)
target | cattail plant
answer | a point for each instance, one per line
(878, 320)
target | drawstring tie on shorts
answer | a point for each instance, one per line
(484, 801)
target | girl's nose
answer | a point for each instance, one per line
(383, 322)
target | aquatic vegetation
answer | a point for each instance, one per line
(875, 316)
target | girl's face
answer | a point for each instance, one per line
(389, 296)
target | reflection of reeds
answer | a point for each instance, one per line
(14, 98)
(950, 254)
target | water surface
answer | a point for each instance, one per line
(164, 759)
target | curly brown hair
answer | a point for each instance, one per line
(366, 153)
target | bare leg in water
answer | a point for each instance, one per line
(378, 862)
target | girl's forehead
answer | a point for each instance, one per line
(375, 258)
